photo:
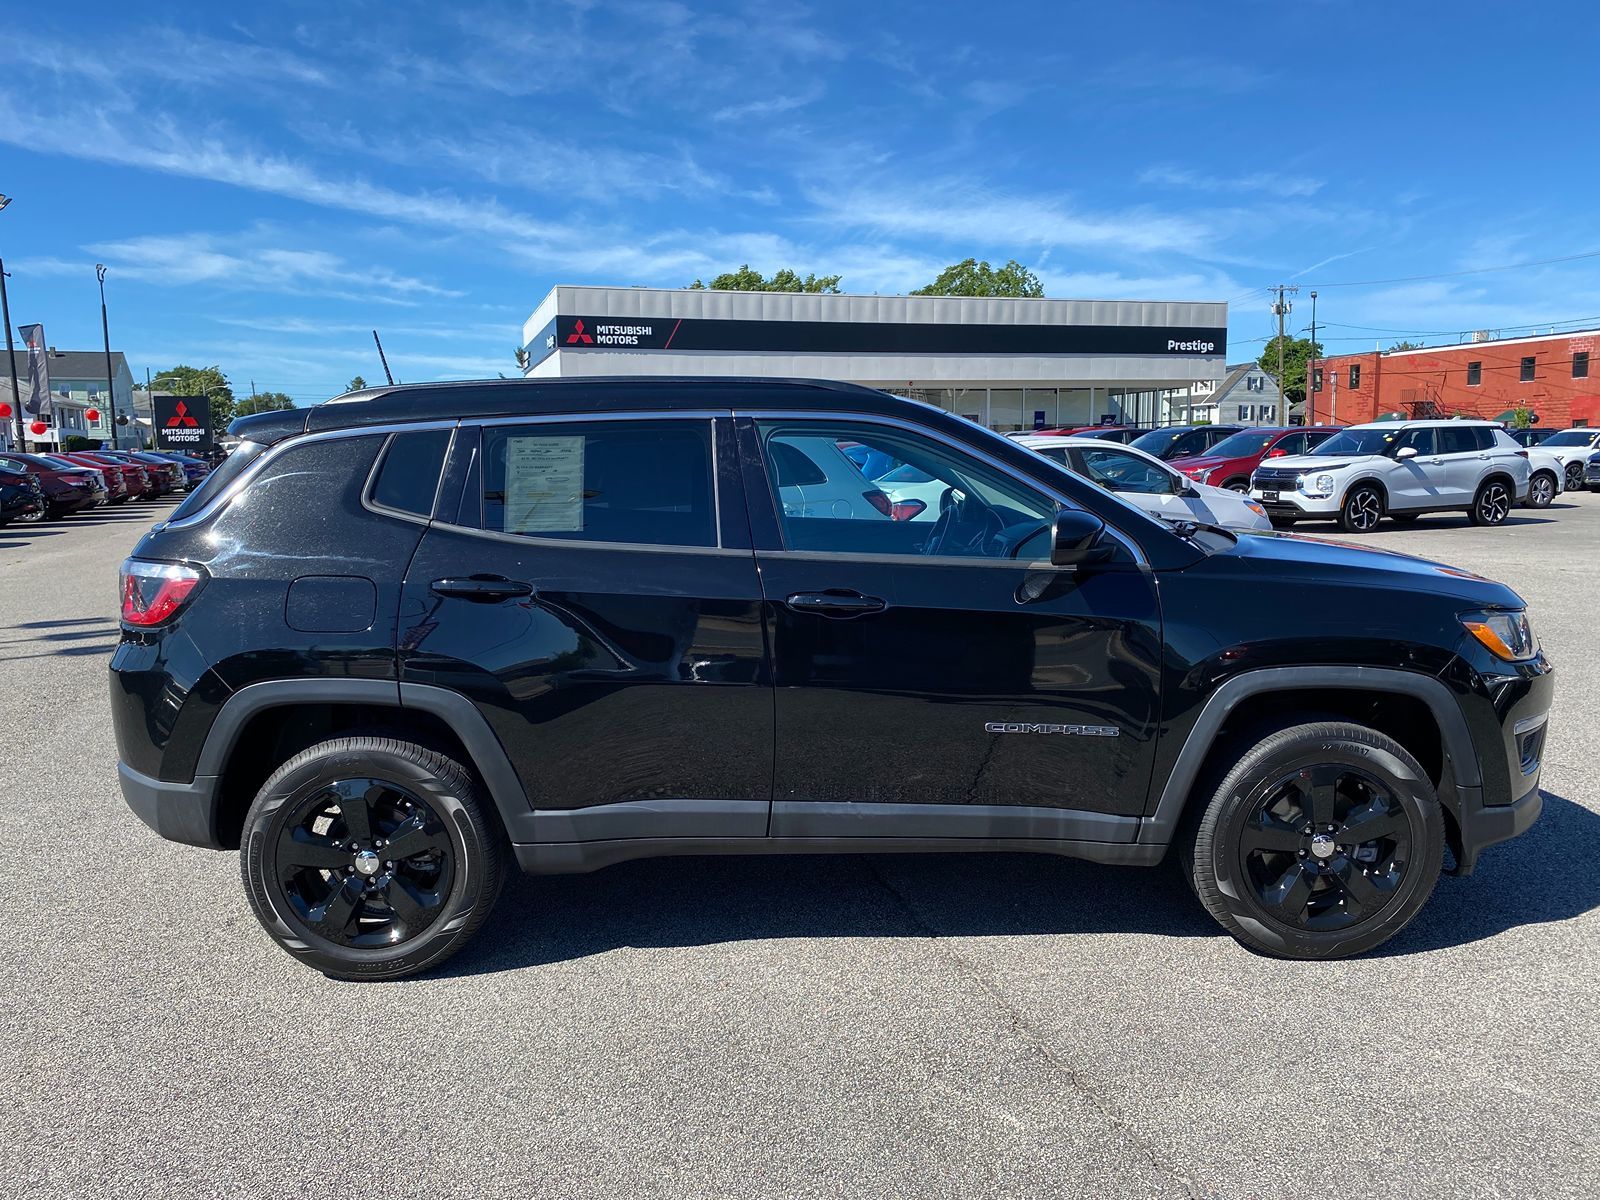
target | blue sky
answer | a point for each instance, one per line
(269, 182)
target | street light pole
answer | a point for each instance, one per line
(11, 346)
(105, 332)
(1311, 368)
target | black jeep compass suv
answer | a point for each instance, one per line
(403, 636)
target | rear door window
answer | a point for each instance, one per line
(639, 482)
(217, 482)
(1458, 440)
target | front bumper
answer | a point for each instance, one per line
(1509, 720)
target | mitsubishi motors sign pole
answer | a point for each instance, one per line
(181, 423)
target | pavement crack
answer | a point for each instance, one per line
(1031, 1035)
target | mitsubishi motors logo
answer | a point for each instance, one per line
(578, 335)
(181, 417)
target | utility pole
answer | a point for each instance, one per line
(1311, 370)
(1282, 308)
(105, 332)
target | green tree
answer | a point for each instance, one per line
(1295, 353)
(1404, 346)
(355, 385)
(974, 278)
(262, 402)
(747, 279)
(199, 381)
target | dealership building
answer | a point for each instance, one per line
(1007, 363)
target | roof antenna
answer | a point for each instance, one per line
(383, 359)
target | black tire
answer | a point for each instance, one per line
(1403, 518)
(1594, 487)
(1493, 503)
(1542, 489)
(1241, 484)
(1250, 847)
(1574, 476)
(1362, 509)
(317, 877)
(1281, 522)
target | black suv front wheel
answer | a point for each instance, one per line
(1492, 504)
(368, 858)
(1324, 841)
(1362, 509)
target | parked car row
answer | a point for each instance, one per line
(38, 487)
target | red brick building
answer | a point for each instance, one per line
(1557, 376)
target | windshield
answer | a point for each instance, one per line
(1361, 441)
(1569, 437)
(1241, 445)
(1157, 440)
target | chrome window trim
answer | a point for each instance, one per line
(278, 449)
(763, 415)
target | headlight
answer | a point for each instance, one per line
(1324, 483)
(1506, 635)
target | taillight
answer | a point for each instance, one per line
(879, 501)
(152, 593)
(904, 510)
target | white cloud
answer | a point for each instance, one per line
(769, 106)
(1269, 182)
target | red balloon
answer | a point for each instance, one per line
(5, 410)
(93, 414)
(39, 428)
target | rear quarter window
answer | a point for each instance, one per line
(407, 479)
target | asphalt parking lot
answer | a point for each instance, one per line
(873, 1026)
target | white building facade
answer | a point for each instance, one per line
(1007, 363)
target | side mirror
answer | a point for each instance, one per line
(1406, 452)
(1078, 539)
(1277, 453)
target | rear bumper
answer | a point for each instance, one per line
(179, 812)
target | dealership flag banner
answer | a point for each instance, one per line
(38, 402)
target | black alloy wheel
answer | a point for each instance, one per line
(364, 862)
(1541, 490)
(1324, 840)
(369, 858)
(1325, 847)
(1492, 505)
(1574, 476)
(1362, 510)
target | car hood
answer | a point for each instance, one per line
(1339, 561)
(1190, 462)
(1317, 462)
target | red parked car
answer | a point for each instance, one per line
(116, 486)
(66, 490)
(1230, 462)
(139, 481)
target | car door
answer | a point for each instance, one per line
(1417, 479)
(1465, 462)
(936, 679)
(593, 592)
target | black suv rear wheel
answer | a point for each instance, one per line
(1492, 504)
(368, 858)
(1325, 840)
(1362, 509)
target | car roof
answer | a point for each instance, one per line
(1430, 423)
(527, 397)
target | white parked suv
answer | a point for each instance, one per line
(1572, 447)
(1399, 469)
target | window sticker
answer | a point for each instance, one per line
(544, 485)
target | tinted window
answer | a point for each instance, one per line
(646, 482)
(1119, 471)
(1361, 441)
(1421, 440)
(1294, 443)
(1316, 437)
(1474, 374)
(409, 474)
(1527, 369)
(1457, 440)
(1157, 441)
(1580, 365)
(1569, 437)
(1241, 444)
